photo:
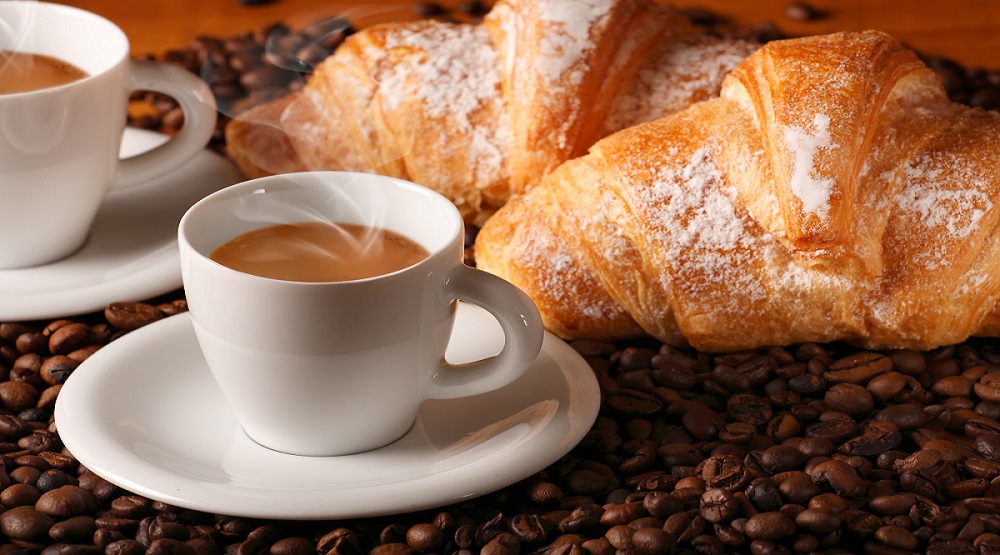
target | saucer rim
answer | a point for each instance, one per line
(469, 479)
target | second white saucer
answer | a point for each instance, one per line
(145, 413)
(131, 253)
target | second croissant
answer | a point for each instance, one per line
(832, 192)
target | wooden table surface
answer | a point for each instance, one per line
(967, 31)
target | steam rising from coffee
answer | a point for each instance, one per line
(299, 54)
(15, 36)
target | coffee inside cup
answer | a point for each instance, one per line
(319, 252)
(25, 71)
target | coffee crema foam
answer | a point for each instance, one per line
(319, 252)
(24, 72)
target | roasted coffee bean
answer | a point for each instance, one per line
(769, 526)
(68, 338)
(339, 541)
(751, 409)
(988, 387)
(295, 545)
(19, 495)
(718, 505)
(859, 368)
(32, 343)
(53, 479)
(897, 537)
(57, 369)
(25, 523)
(527, 528)
(125, 547)
(877, 437)
(819, 520)
(621, 513)
(78, 529)
(131, 316)
(797, 487)
(724, 471)
(737, 432)
(17, 396)
(849, 398)
(780, 458)
(67, 501)
(703, 423)
(630, 402)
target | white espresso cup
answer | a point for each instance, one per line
(334, 368)
(59, 146)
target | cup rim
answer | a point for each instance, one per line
(74, 12)
(243, 187)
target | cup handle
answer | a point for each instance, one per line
(522, 328)
(198, 103)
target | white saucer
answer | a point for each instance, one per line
(131, 254)
(145, 413)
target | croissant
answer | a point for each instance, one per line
(482, 112)
(832, 192)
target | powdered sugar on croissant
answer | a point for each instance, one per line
(482, 112)
(832, 192)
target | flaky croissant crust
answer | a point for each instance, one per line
(481, 112)
(832, 192)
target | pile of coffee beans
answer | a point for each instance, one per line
(803, 449)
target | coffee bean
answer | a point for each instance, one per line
(167, 546)
(783, 427)
(131, 316)
(988, 388)
(125, 547)
(718, 505)
(165, 529)
(769, 526)
(703, 423)
(32, 343)
(57, 369)
(621, 513)
(859, 368)
(808, 384)
(25, 523)
(68, 338)
(295, 545)
(632, 402)
(897, 537)
(878, 437)
(849, 398)
(78, 529)
(751, 409)
(17, 396)
(781, 458)
(53, 479)
(797, 487)
(837, 430)
(19, 495)
(67, 501)
(649, 539)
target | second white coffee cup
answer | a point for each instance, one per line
(334, 368)
(59, 146)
